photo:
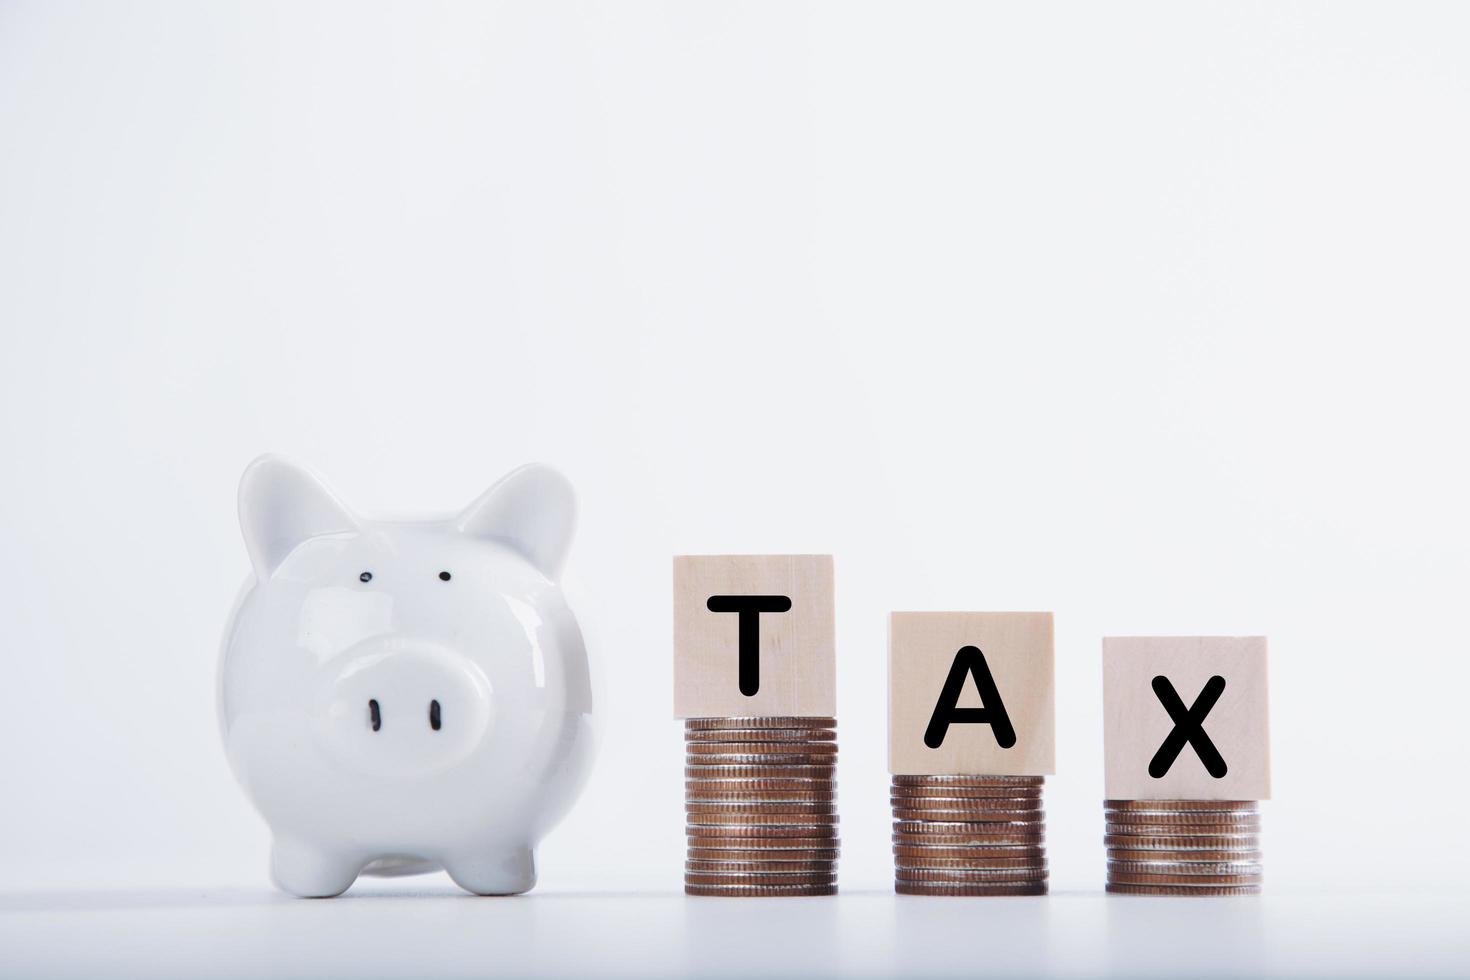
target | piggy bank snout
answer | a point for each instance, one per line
(397, 709)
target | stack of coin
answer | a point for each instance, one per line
(968, 835)
(1183, 847)
(761, 805)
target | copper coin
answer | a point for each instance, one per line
(961, 863)
(758, 808)
(741, 878)
(961, 803)
(1176, 819)
(776, 848)
(759, 867)
(759, 759)
(732, 784)
(1189, 881)
(967, 890)
(954, 792)
(981, 853)
(1204, 842)
(1220, 823)
(797, 785)
(760, 819)
(786, 845)
(1231, 806)
(775, 721)
(1182, 829)
(762, 735)
(1211, 818)
(1165, 830)
(968, 780)
(965, 840)
(757, 852)
(756, 835)
(827, 832)
(1138, 854)
(970, 874)
(761, 748)
(1184, 868)
(1201, 892)
(758, 796)
(759, 891)
(760, 832)
(972, 816)
(817, 838)
(822, 774)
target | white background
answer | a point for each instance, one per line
(1150, 314)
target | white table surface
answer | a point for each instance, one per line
(429, 929)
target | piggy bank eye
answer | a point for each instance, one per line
(444, 576)
(365, 577)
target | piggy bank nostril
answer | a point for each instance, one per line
(434, 715)
(375, 718)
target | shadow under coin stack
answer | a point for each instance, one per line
(761, 805)
(969, 835)
(1183, 847)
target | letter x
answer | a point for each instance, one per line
(1188, 727)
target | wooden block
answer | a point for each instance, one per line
(1144, 677)
(795, 672)
(940, 660)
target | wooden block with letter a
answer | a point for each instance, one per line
(971, 736)
(971, 693)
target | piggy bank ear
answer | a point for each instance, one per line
(281, 505)
(534, 510)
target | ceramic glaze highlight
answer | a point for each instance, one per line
(401, 696)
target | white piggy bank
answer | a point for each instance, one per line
(401, 696)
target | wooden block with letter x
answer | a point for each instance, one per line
(754, 635)
(971, 693)
(1185, 718)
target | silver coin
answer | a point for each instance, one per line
(968, 828)
(1246, 855)
(824, 774)
(1186, 867)
(968, 780)
(972, 816)
(773, 721)
(765, 760)
(970, 874)
(762, 736)
(1191, 842)
(967, 806)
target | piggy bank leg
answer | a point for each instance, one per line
(494, 871)
(307, 871)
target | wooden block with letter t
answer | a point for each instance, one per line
(971, 693)
(1185, 718)
(754, 635)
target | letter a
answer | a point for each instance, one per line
(970, 661)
